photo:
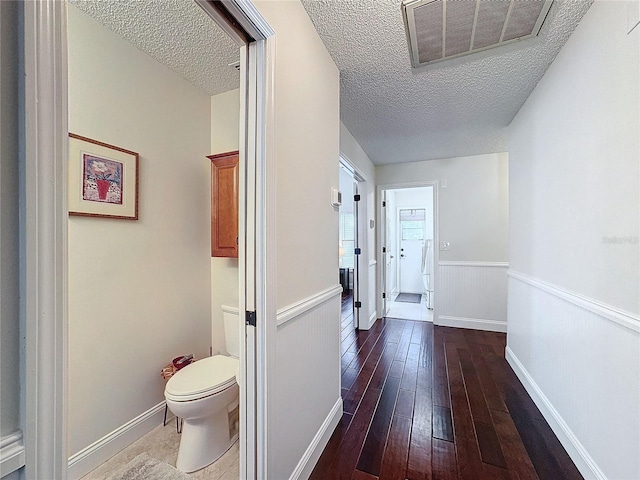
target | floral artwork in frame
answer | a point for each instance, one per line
(103, 179)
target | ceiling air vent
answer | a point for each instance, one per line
(441, 29)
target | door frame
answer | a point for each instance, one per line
(382, 225)
(43, 234)
(361, 266)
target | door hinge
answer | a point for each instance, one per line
(250, 319)
(384, 295)
(357, 304)
(384, 249)
(384, 204)
(357, 251)
(356, 198)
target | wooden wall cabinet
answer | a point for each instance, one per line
(224, 204)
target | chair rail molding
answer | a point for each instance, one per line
(615, 315)
(293, 311)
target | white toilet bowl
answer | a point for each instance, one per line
(205, 395)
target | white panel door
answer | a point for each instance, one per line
(411, 233)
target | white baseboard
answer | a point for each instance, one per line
(471, 323)
(11, 453)
(102, 450)
(312, 454)
(370, 322)
(583, 461)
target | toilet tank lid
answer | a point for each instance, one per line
(203, 376)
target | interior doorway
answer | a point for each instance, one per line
(409, 258)
(45, 236)
(349, 243)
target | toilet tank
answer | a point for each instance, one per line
(231, 330)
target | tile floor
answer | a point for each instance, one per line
(410, 311)
(162, 443)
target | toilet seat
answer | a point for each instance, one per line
(203, 378)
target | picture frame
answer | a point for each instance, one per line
(103, 179)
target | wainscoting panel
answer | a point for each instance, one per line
(306, 383)
(472, 295)
(580, 362)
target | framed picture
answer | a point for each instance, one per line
(103, 179)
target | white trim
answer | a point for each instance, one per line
(290, 312)
(248, 16)
(11, 453)
(620, 317)
(43, 232)
(103, 449)
(315, 448)
(228, 309)
(353, 168)
(372, 319)
(583, 461)
(373, 263)
(472, 264)
(266, 268)
(471, 323)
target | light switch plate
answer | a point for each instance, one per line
(336, 197)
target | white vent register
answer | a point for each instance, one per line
(441, 29)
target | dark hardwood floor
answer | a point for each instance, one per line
(425, 402)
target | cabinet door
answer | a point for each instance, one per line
(224, 205)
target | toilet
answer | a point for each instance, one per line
(205, 395)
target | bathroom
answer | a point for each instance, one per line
(142, 292)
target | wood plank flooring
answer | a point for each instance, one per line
(425, 402)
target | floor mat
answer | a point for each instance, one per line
(144, 467)
(409, 297)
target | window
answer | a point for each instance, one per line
(412, 223)
(347, 239)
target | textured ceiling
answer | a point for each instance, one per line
(453, 108)
(398, 114)
(177, 33)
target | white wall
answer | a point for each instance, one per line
(9, 248)
(355, 155)
(473, 216)
(474, 209)
(139, 291)
(10, 344)
(225, 128)
(304, 371)
(574, 291)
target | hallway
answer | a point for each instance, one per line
(423, 402)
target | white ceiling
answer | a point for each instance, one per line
(453, 108)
